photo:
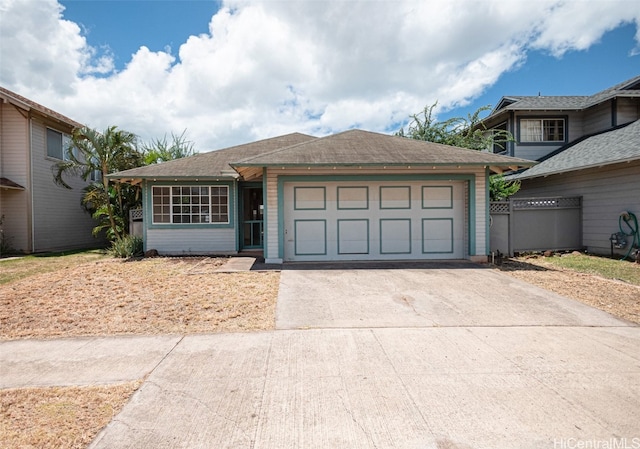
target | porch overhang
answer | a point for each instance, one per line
(138, 180)
(7, 184)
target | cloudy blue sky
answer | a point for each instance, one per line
(234, 71)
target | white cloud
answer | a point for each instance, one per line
(578, 24)
(267, 68)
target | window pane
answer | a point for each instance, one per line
(54, 144)
(219, 204)
(553, 130)
(160, 203)
(530, 130)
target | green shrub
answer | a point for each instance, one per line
(5, 244)
(125, 247)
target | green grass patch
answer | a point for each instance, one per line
(601, 266)
(13, 269)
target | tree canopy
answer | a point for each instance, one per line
(92, 155)
(469, 132)
(160, 150)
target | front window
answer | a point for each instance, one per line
(58, 144)
(190, 204)
(542, 130)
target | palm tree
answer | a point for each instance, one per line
(94, 155)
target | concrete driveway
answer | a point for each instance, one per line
(441, 357)
(436, 295)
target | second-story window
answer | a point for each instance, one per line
(58, 144)
(543, 130)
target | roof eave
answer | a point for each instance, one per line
(137, 179)
(487, 164)
(583, 167)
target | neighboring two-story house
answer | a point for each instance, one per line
(38, 215)
(587, 146)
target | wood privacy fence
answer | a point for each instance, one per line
(535, 224)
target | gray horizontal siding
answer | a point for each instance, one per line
(60, 222)
(174, 241)
(605, 192)
(598, 118)
(628, 110)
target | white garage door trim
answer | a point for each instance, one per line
(364, 218)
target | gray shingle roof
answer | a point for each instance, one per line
(629, 88)
(354, 147)
(357, 147)
(611, 147)
(214, 164)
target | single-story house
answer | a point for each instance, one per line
(355, 195)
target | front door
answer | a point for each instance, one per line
(251, 218)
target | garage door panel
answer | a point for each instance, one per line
(395, 236)
(353, 236)
(353, 198)
(395, 197)
(437, 235)
(310, 198)
(310, 237)
(437, 197)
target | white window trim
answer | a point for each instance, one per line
(171, 214)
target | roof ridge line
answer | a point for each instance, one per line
(268, 153)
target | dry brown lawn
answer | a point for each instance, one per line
(149, 296)
(616, 297)
(56, 417)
